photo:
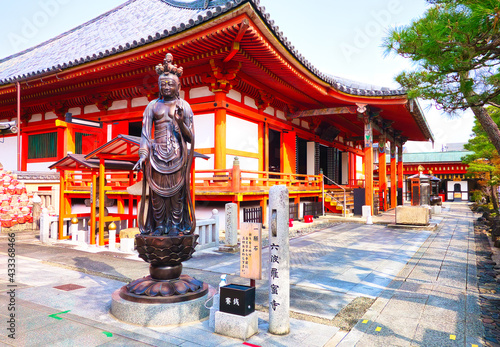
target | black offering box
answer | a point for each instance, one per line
(237, 299)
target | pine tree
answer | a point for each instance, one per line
(456, 45)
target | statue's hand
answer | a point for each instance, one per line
(139, 165)
(179, 114)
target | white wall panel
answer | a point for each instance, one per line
(118, 105)
(311, 149)
(35, 118)
(142, 101)
(345, 168)
(204, 127)
(75, 111)
(50, 115)
(242, 135)
(246, 163)
(199, 92)
(8, 153)
(233, 94)
(39, 166)
(88, 109)
(250, 102)
(204, 164)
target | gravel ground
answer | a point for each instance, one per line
(488, 269)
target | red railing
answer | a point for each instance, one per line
(235, 180)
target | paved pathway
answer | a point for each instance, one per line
(434, 300)
(426, 302)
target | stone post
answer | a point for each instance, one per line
(36, 211)
(231, 225)
(236, 177)
(74, 229)
(54, 232)
(279, 261)
(215, 217)
(112, 236)
(44, 226)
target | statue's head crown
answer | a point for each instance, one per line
(168, 68)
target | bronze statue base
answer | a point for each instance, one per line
(166, 284)
(150, 290)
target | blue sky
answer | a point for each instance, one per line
(341, 38)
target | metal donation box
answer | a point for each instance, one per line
(237, 299)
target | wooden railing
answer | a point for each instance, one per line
(77, 185)
(115, 180)
(235, 180)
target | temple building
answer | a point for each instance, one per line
(454, 184)
(263, 114)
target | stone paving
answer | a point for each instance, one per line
(424, 283)
(434, 300)
(489, 287)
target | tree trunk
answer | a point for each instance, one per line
(489, 126)
(493, 190)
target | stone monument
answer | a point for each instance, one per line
(167, 236)
(279, 261)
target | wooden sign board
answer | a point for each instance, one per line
(251, 251)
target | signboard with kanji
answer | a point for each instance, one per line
(251, 251)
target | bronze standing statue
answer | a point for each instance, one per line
(167, 236)
(166, 160)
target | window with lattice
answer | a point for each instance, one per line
(79, 139)
(42, 146)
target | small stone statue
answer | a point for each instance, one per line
(167, 157)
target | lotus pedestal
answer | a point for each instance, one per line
(166, 296)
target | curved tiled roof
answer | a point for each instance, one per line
(111, 33)
(435, 157)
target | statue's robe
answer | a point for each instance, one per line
(167, 168)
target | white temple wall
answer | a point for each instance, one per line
(233, 94)
(43, 166)
(311, 151)
(249, 102)
(204, 125)
(246, 163)
(8, 153)
(344, 179)
(242, 135)
(200, 92)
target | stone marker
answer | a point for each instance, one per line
(366, 211)
(240, 327)
(44, 226)
(436, 209)
(54, 229)
(112, 236)
(412, 215)
(279, 261)
(74, 229)
(36, 211)
(231, 225)
(127, 245)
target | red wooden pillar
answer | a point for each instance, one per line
(368, 160)
(394, 185)
(93, 199)
(382, 172)
(102, 185)
(266, 147)
(263, 205)
(400, 173)
(62, 203)
(352, 169)
(220, 130)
